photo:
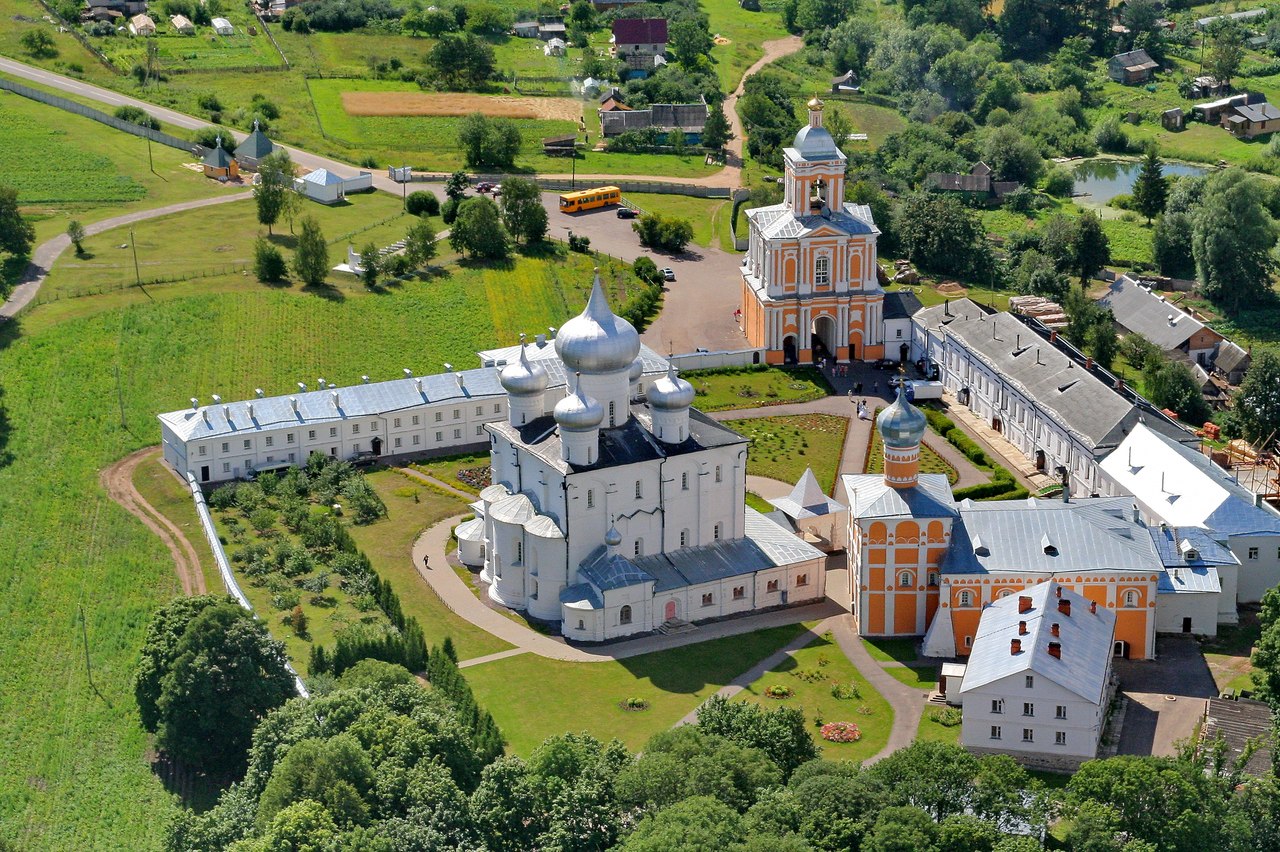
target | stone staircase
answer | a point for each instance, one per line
(676, 627)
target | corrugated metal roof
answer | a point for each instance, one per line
(1049, 536)
(1201, 579)
(778, 221)
(608, 571)
(323, 177)
(871, 497)
(1172, 543)
(1149, 314)
(1085, 638)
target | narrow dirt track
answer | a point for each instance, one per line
(118, 481)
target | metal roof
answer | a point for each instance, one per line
(778, 221)
(1050, 537)
(472, 530)
(256, 145)
(631, 443)
(900, 304)
(1084, 637)
(1149, 314)
(1174, 543)
(323, 177)
(1076, 398)
(871, 497)
(1135, 60)
(1259, 112)
(807, 499)
(764, 545)
(581, 596)
(640, 31)
(1201, 579)
(607, 571)
(1183, 487)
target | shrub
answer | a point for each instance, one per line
(778, 691)
(422, 203)
(947, 717)
(449, 211)
(1109, 135)
(666, 233)
(137, 116)
(580, 244)
(845, 691)
(1060, 182)
(298, 620)
(209, 101)
(268, 263)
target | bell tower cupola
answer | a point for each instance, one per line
(815, 167)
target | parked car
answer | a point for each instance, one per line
(483, 186)
(897, 379)
(668, 274)
(627, 213)
(886, 364)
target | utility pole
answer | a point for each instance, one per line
(573, 180)
(137, 274)
(150, 161)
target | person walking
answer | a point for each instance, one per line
(426, 561)
(857, 387)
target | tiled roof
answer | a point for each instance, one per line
(640, 31)
(1085, 639)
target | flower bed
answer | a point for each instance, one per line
(779, 692)
(633, 705)
(841, 732)
(477, 477)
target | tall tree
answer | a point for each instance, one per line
(371, 263)
(690, 43)
(1258, 402)
(1232, 237)
(478, 230)
(420, 243)
(1172, 385)
(16, 233)
(1090, 248)
(489, 142)
(942, 235)
(227, 673)
(455, 187)
(75, 233)
(716, 133)
(1151, 188)
(461, 60)
(522, 210)
(276, 173)
(311, 258)
(1226, 47)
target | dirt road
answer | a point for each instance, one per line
(118, 481)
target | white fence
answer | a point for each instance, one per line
(224, 567)
(715, 360)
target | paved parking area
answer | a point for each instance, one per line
(1166, 696)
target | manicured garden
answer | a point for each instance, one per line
(467, 471)
(782, 447)
(752, 387)
(585, 696)
(820, 681)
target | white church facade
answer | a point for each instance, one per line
(613, 515)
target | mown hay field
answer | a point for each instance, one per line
(457, 104)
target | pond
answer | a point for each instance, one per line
(1103, 180)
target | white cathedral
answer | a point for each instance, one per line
(623, 510)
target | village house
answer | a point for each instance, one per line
(181, 24)
(219, 164)
(637, 42)
(689, 119)
(1039, 679)
(1140, 310)
(525, 29)
(977, 187)
(1233, 362)
(1051, 402)
(142, 25)
(1136, 66)
(1214, 112)
(114, 9)
(327, 187)
(1250, 120)
(846, 82)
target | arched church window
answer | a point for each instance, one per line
(1131, 598)
(822, 270)
(966, 598)
(624, 615)
(904, 579)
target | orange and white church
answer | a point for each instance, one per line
(809, 287)
(924, 564)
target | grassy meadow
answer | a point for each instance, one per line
(782, 447)
(720, 390)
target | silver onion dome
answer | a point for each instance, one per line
(901, 425)
(613, 538)
(596, 340)
(578, 412)
(670, 393)
(637, 370)
(523, 378)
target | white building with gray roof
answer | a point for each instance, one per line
(613, 516)
(1051, 402)
(1143, 311)
(1039, 678)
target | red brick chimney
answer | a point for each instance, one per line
(1093, 607)
(1015, 646)
(1022, 628)
(1024, 603)
(1057, 591)
(1055, 650)
(1064, 607)
(1054, 629)
(1088, 363)
(1053, 336)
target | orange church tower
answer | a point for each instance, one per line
(809, 280)
(902, 428)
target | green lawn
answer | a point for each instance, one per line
(923, 678)
(720, 390)
(891, 650)
(746, 31)
(221, 240)
(706, 214)
(446, 469)
(106, 171)
(204, 50)
(1228, 654)
(755, 501)
(930, 461)
(585, 696)
(933, 730)
(782, 447)
(874, 120)
(810, 673)
(411, 508)
(160, 487)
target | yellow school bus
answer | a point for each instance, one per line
(589, 199)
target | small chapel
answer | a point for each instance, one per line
(623, 509)
(809, 285)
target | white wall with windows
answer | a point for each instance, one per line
(1027, 715)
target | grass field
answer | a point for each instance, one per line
(708, 215)
(782, 447)
(933, 730)
(584, 696)
(161, 488)
(810, 673)
(891, 650)
(107, 174)
(204, 50)
(720, 390)
(446, 469)
(746, 32)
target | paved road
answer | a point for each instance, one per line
(1166, 696)
(43, 258)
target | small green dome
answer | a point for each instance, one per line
(901, 425)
